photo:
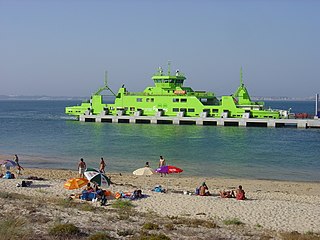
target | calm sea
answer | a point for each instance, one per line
(44, 137)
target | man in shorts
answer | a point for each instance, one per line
(82, 167)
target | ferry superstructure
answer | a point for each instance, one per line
(169, 97)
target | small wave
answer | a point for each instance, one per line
(68, 118)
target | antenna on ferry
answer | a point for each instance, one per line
(169, 67)
(106, 78)
(241, 80)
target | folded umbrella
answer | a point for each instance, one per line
(169, 169)
(145, 171)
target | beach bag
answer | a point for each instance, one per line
(7, 175)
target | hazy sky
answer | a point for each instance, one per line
(62, 48)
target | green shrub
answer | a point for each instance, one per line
(100, 236)
(87, 207)
(7, 195)
(122, 204)
(150, 226)
(298, 236)
(169, 226)
(125, 232)
(66, 203)
(233, 221)
(64, 229)
(12, 228)
(160, 236)
(195, 222)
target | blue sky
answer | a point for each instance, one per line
(62, 48)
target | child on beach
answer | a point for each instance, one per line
(240, 194)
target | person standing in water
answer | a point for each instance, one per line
(102, 165)
(162, 162)
(82, 167)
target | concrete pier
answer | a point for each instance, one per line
(177, 120)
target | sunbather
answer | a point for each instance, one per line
(240, 194)
(203, 190)
(227, 194)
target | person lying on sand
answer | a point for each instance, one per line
(227, 194)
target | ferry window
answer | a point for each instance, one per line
(152, 99)
(175, 109)
(148, 99)
(175, 99)
(183, 109)
(139, 99)
(190, 109)
(183, 100)
(132, 108)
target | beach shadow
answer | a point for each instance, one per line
(39, 186)
(144, 196)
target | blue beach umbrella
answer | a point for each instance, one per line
(9, 163)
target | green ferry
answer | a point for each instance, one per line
(169, 97)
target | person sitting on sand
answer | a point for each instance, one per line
(203, 190)
(89, 188)
(227, 194)
(147, 164)
(96, 188)
(240, 194)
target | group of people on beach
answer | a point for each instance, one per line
(238, 194)
(82, 166)
(7, 168)
(202, 190)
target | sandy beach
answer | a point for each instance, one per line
(272, 206)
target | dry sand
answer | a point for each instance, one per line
(272, 205)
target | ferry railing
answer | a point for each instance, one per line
(196, 94)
